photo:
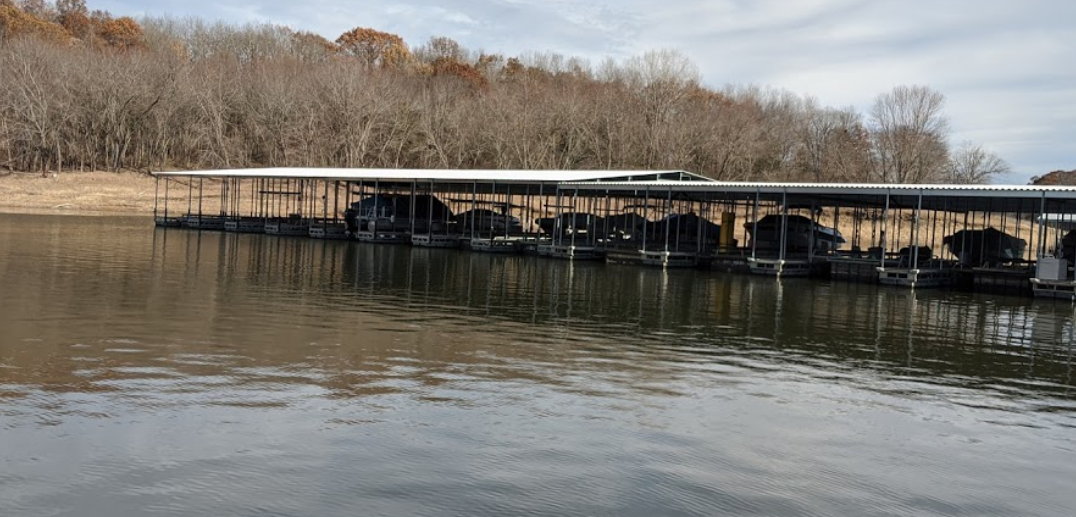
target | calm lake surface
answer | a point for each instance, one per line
(147, 371)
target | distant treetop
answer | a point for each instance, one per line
(1058, 177)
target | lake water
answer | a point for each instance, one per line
(168, 372)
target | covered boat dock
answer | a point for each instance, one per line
(1010, 238)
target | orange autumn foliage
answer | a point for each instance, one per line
(453, 68)
(375, 48)
(121, 33)
(15, 22)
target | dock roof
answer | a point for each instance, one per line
(947, 197)
(836, 188)
(445, 175)
(962, 198)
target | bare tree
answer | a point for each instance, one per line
(39, 8)
(310, 47)
(908, 133)
(833, 145)
(661, 80)
(970, 164)
(38, 98)
(440, 48)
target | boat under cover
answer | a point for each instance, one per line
(683, 228)
(766, 234)
(976, 248)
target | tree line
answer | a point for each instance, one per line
(83, 90)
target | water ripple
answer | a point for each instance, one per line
(183, 373)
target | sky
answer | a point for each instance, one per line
(1006, 68)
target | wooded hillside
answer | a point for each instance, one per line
(86, 90)
(1057, 177)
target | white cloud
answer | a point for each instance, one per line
(1003, 66)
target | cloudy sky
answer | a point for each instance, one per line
(1007, 69)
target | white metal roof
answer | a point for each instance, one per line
(956, 198)
(909, 186)
(878, 189)
(1016, 198)
(619, 179)
(435, 175)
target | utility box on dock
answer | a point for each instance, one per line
(1050, 268)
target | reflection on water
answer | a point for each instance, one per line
(176, 372)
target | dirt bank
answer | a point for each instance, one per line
(77, 192)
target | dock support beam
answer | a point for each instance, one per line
(915, 241)
(754, 216)
(885, 226)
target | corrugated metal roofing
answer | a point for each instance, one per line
(1023, 198)
(882, 186)
(830, 188)
(436, 175)
(618, 179)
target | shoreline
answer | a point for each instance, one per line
(96, 193)
(26, 210)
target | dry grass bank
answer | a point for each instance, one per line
(77, 193)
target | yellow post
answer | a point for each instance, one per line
(726, 241)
